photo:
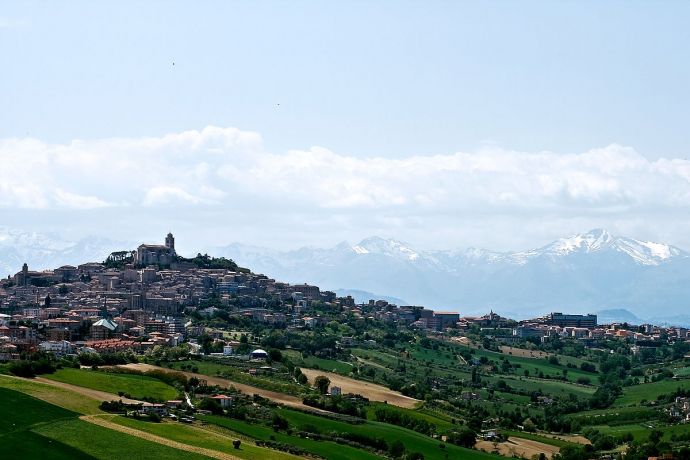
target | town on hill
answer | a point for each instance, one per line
(156, 345)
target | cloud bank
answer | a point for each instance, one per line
(228, 170)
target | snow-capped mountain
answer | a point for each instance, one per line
(598, 240)
(390, 248)
(46, 250)
(585, 272)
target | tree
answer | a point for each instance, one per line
(397, 449)
(465, 437)
(275, 355)
(655, 436)
(236, 443)
(322, 383)
(279, 422)
(528, 425)
(211, 405)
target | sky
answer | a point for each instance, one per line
(499, 124)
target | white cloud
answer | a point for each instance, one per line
(226, 169)
(74, 201)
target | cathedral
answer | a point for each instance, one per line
(155, 254)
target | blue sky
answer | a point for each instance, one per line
(364, 80)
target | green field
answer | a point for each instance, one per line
(107, 444)
(548, 387)
(39, 430)
(136, 386)
(682, 371)
(413, 441)
(312, 362)
(533, 365)
(649, 391)
(22, 412)
(57, 396)
(618, 412)
(441, 421)
(640, 431)
(384, 359)
(195, 436)
(326, 449)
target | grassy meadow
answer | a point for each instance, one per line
(135, 386)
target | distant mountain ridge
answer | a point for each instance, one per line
(43, 251)
(587, 272)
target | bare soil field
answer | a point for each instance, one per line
(368, 390)
(568, 437)
(523, 448)
(522, 353)
(462, 341)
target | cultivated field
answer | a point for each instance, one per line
(368, 390)
(518, 447)
(205, 438)
(326, 449)
(649, 391)
(136, 386)
(39, 430)
(66, 396)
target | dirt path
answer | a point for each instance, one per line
(368, 390)
(520, 447)
(287, 400)
(88, 392)
(101, 421)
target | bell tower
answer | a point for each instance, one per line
(170, 243)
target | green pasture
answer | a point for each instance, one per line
(200, 437)
(136, 386)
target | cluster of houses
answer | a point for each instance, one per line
(680, 409)
(136, 307)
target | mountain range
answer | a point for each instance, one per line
(49, 250)
(588, 272)
(622, 278)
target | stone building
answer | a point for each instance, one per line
(155, 254)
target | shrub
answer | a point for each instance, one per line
(25, 368)
(211, 405)
(113, 406)
(22, 369)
